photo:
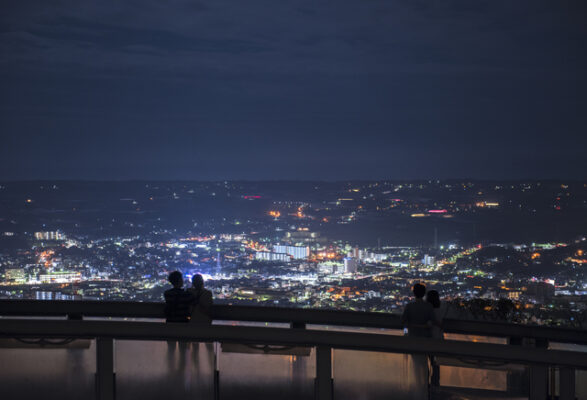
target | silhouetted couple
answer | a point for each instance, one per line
(193, 304)
(424, 319)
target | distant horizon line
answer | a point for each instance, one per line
(428, 180)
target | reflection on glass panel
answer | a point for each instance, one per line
(465, 376)
(580, 376)
(252, 323)
(246, 375)
(473, 378)
(33, 373)
(159, 369)
(581, 384)
(475, 338)
(372, 375)
(356, 329)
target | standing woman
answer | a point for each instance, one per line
(433, 298)
(202, 305)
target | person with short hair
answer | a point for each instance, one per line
(202, 310)
(178, 302)
(418, 315)
(418, 318)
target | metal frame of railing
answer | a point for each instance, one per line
(297, 317)
(538, 357)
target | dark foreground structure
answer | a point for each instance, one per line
(109, 350)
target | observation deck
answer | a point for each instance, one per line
(120, 350)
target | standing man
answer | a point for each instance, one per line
(178, 309)
(178, 302)
(418, 318)
(202, 311)
(418, 315)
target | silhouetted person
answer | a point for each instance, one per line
(178, 308)
(178, 302)
(418, 315)
(433, 298)
(418, 318)
(202, 308)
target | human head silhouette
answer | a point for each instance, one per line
(176, 279)
(433, 298)
(197, 281)
(419, 290)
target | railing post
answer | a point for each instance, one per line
(324, 382)
(216, 371)
(539, 375)
(538, 382)
(104, 368)
(297, 325)
(566, 383)
(516, 381)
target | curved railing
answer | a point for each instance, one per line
(296, 317)
(538, 357)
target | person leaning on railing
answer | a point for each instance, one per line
(202, 306)
(440, 310)
(178, 302)
(418, 316)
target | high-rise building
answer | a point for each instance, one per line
(60, 277)
(542, 292)
(15, 275)
(49, 235)
(304, 237)
(428, 260)
(272, 256)
(297, 252)
(350, 265)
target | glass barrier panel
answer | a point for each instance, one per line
(356, 329)
(475, 338)
(59, 369)
(252, 323)
(374, 375)
(164, 369)
(580, 375)
(474, 378)
(259, 372)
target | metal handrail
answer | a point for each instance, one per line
(297, 317)
(130, 330)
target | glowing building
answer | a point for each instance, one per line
(297, 252)
(49, 235)
(350, 265)
(272, 256)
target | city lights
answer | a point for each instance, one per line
(326, 253)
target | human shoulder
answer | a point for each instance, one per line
(407, 310)
(193, 292)
(411, 304)
(187, 294)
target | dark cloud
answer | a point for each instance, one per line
(269, 90)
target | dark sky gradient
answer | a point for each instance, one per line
(270, 89)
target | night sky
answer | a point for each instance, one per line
(325, 90)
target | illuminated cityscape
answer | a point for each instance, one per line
(234, 200)
(311, 245)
